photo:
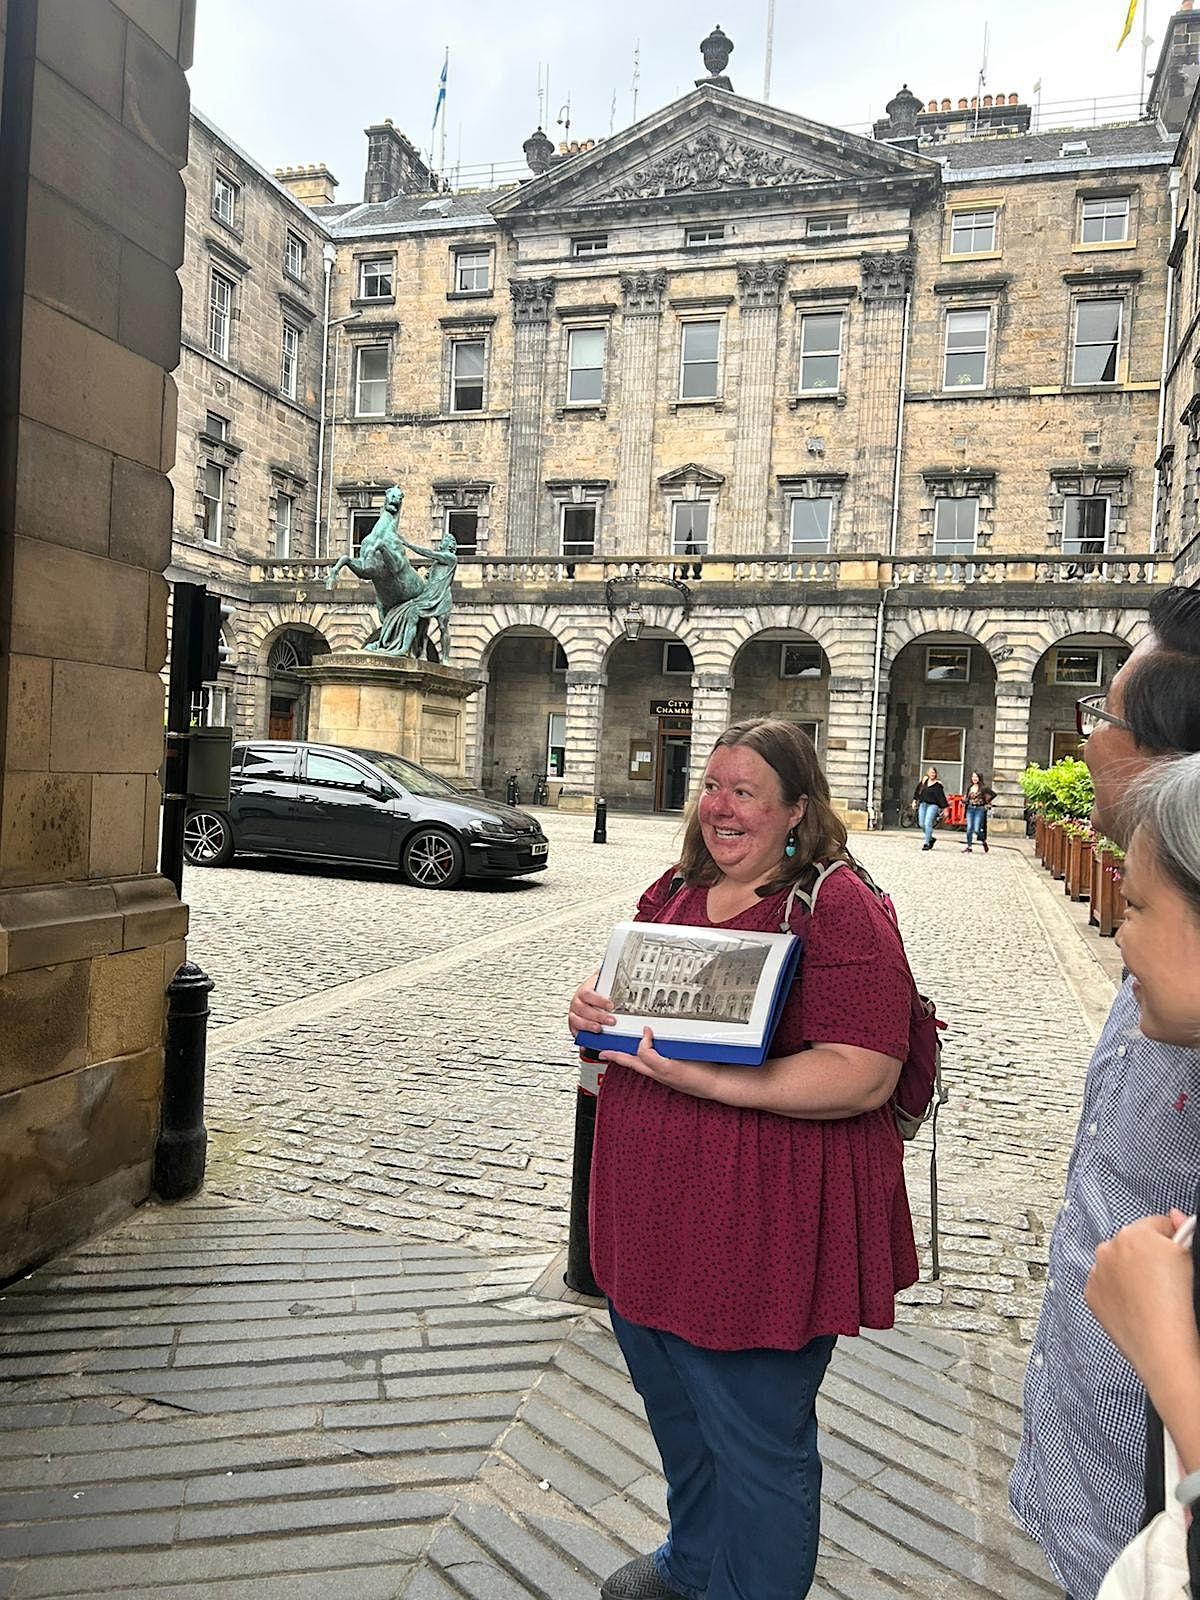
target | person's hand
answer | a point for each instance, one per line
(589, 1010)
(1140, 1291)
(689, 1077)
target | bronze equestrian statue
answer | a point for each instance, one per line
(407, 601)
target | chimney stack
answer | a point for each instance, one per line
(313, 185)
(394, 166)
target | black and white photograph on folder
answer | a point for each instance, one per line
(706, 995)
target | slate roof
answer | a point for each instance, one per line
(412, 213)
(1120, 144)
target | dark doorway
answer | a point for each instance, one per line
(674, 754)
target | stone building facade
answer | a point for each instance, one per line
(732, 412)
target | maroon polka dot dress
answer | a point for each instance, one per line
(737, 1229)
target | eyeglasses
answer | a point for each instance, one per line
(1090, 715)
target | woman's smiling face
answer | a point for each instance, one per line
(744, 819)
(1160, 941)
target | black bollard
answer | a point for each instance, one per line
(512, 791)
(578, 1275)
(600, 831)
(182, 1139)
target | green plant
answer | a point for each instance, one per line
(1063, 790)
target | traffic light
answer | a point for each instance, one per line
(196, 623)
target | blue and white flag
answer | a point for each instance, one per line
(441, 94)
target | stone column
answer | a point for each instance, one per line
(583, 779)
(641, 305)
(474, 723)
(712, 695)
(886, 280)
(89, 933)
(759, 291)
(531, 300)
(1011, 754)
(847, 746)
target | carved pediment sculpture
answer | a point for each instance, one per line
(712, 161)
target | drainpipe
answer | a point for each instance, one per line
(874, 819)
(894, 531)
(328, 256)
(1168, 317)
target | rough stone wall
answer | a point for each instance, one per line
(89, 933)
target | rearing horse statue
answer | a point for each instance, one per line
(382, 561)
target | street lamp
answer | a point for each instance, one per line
(634, 619)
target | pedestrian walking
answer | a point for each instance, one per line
(1078, 1482)
(929, 802)
(1142, 1289)
(978, 798)
(743, 1218)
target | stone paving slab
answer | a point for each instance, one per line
(475, 1442)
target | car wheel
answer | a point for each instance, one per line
(207, 839)
(432, 859)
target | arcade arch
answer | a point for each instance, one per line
(646, 733)
(285, 710)
(783, 672)
(1076, 665)
(524, 723)
(941, 712)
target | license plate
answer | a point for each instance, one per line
(539, 849)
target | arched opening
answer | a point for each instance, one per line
(647, 740)
(525, 724)
(1077, 665)
(783, 673)
(287, 695)
(941, 713)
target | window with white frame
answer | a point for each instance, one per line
(591, 244)
(1080, 667)
(1105, 220)
(585, 366)
(820, 351)
(822, 227)
(224, 199)
(289, 359)
(973, 233)
(1085, 524)
(284, 507)
(948, 663)
(966, 353)
(472, 271)
(801, 661)
(811, 521)
(676, 659)
(212, 494)
(216, 427)
(467, 361)
(1064, 742)
(361, 523)
(210, 707)
(463, 523)
(370, 380)
(295, 255)
(376, 279)
(705, 233)
(955, 525)
(699, 360)
(578, 531)
(689, 527)
(1097, 343)
(220, 312)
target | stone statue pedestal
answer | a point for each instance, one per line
(393, 703)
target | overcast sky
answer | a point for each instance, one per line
(296, 81)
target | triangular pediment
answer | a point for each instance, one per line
(711, 143)
(680, 477)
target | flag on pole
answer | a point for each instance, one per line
(1128, 28)
(441, 94)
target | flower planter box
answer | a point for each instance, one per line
(1056, 860)
(1106, 910)
(1040, 843)
(1077, 878)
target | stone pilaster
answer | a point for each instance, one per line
(474, 723)
(641, 307)
(1013, 701)
(886, 280)
(531, 300)
(847, 746)
(585, 725)
(712, 694)
(760, 288)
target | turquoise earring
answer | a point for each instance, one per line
(789, 848)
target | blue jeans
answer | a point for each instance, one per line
(927, 815)
(737, 1433)
(976, 823)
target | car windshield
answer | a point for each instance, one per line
(415, 780)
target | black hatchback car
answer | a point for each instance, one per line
(339, 804)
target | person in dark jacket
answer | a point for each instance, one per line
(929, 801)
(978, 796)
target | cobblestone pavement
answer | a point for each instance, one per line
(397, 1060)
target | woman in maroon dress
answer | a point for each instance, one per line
(742, 1218)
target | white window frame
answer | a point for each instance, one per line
(225, 212)
(1080, 650)
(285, 507)
(217, 518)
(295, 255)
(289, 359)
(357, 512)
(206, 703)
(963, 650)
(685, 363)
(471, 379)
(1101, 210)
(573, 368)
(676, 543)
(968, 217)
(669, 671)
(220, 312)
(563, 510)
(379, 267)
(953, 385)
(808, 324)
(704, 233)
(824, 227)
(472, 262)
(1115, 300)
(221, 428)
(805, 672)
(359, 381)
(940, 761)
(1072, 545)
(589, 244)
(1060, 733)
(799, 547)
(462, 511)
(956, 554)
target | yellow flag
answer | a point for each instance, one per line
(1128, 28)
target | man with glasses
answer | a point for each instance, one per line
(1078, 1483)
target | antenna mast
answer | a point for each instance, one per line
(637, 72)
(982, 78)
(770, 49)
(1147, 41)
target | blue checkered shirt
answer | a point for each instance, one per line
(1078, 1484)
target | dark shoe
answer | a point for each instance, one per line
(637, 1580)
(983, 842)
